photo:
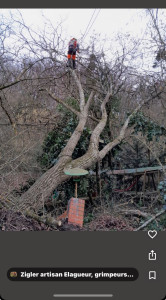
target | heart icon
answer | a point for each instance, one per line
(152, 233)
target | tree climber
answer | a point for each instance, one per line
(73, 48)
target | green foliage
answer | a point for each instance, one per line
(162, 190)
(159, 225)
(147, 127)
(160, 56)
(154, 226)
(72, 102)
(107, 186)
(88, 218)
(83, 186)
(53, 144)
(115, 105)
(162, 221)
(57, 139)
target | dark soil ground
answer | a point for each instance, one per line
(15, 221)
(112, 219)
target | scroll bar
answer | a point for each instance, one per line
(82, 295)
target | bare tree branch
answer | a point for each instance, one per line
(63, 103)
(81, 92)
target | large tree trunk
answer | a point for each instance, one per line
(35, 197)
(39, 192)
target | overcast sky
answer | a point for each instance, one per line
(75, 21)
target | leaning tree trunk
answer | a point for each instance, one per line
(40, 191)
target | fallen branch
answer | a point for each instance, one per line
(135, 212)
(4, 202)
(150, 220)
(45, 219)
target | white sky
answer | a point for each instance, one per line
(75, 21)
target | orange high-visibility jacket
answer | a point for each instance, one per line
(73, 44)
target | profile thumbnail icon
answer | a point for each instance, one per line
(13, 274)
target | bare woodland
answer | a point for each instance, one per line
(103, 94)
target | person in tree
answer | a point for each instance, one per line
(73, 48)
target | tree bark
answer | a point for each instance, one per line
(35, 197)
